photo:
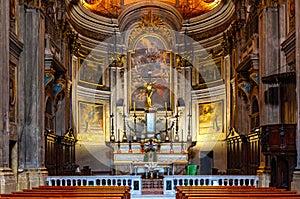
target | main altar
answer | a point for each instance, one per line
(170, 159)
(156, 151)
(159, 151)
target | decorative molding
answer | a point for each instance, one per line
(15, 46)
(245, 87)
(48, 76)
(255, 78)
(59, 86)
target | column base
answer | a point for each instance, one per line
(32, 178)
(8, 182)
(264, 177)
(295, 184)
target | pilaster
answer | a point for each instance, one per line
(31, 96)
(269, 59)
(264, 177)
(32, 178)
(7, 178)
(295, 185)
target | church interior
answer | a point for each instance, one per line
(149, 88)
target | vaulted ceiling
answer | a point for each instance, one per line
(113, 8)
(203, 20)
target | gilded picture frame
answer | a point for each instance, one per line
(150, 64)
(210, 119)
(91, 118)
(91, 72)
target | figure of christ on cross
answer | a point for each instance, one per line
(149, 92)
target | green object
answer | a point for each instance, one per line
(191, 169)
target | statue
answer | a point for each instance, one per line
(149, 92)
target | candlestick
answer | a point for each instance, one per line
(123, 109)
(134, 107)
(166, 107)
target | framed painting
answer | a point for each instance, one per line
(90, 118)
(210, 71)
(91, 72)
(210, 117)
(150, 65)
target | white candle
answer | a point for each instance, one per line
(123, 108)
(134, 106)
(166, 107)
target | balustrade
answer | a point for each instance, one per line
(169, 182)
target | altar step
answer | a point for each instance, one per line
(152, 191)
(152, 197)
(153, 186)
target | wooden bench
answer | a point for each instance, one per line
(206, 192)
(69, 192)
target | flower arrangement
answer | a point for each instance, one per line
(152, 166)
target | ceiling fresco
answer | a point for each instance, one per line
(113, 8)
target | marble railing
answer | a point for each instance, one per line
(135, 182)
(170, 182)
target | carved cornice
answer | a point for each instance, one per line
(288, 77)
(250, 61)
(15, 46)
(289, 47)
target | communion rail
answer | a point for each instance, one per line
(170, 182)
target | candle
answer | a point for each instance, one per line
(134, 107)
(123, 108)
(118, 134)
(166, 106)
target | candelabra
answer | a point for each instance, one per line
(134, 139)
(189, 137)
(112, 134)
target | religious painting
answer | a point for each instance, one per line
(150, 74)
(90, 118)
(91, 72)
(210, 117)
(210, 71)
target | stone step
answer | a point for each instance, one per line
(153, 197)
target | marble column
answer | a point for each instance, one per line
(7, 178)
(295, 185)
(31, 168)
